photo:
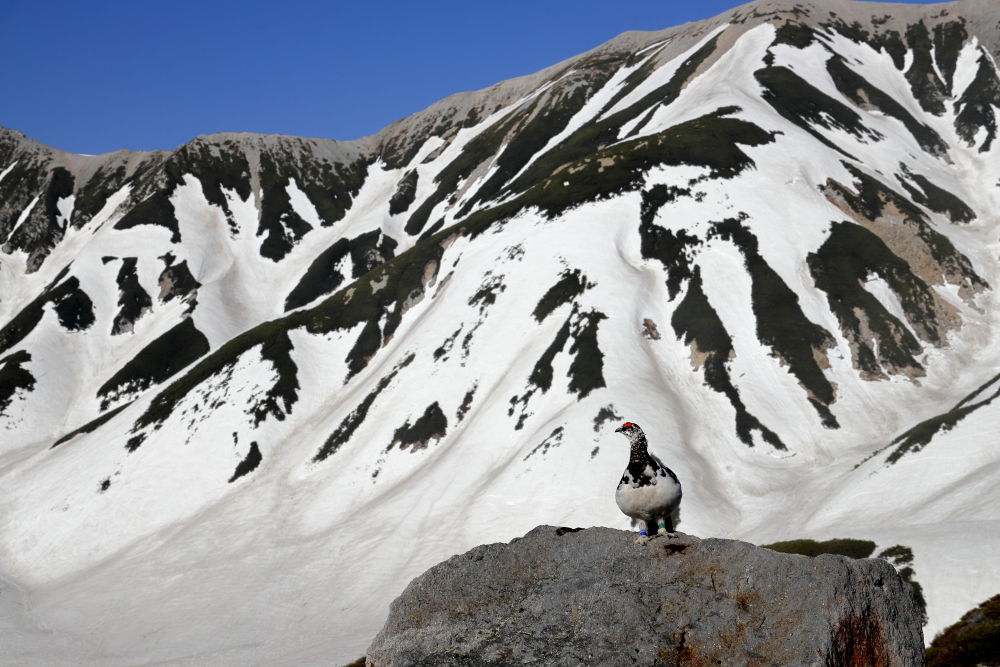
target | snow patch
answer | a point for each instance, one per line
(24, 216)
(8, 170)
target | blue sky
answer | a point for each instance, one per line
(93, 77)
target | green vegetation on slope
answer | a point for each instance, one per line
(73, 307)
(596, 135)
(343, 433)
(156, 362)
(857, 89)
(586, 371)
(322, 276)
(533, 136)
(697, 323)
(713, 141)
(781, 324)
(806, 106)
(541, 374)
(921, 435)
(972, 642)
(92, 425)
(844, 547)
(482, 147)
(902, 559)
(669, 247)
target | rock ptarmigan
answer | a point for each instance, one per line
(649, 491)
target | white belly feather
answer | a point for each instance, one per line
(648, 502)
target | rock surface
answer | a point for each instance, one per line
(593, 597)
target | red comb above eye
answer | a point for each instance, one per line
(626, 424)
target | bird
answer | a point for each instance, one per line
(649, 492)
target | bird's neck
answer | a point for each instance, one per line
(639, 451)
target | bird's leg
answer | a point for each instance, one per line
(643, 534)
(666, 527)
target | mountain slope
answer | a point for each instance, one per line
(230, 369)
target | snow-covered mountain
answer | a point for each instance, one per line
(230, 371)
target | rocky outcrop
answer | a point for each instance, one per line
(593, 597)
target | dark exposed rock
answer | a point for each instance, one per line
(925, 84)
(176, 281)
(42, 226)
(14, 378)
(571, 285)
(406, 193)
(593, 597)
(156, 210)
(248, 464)
(975, 108)
(72, 305)
(133, 300)
(432, 425)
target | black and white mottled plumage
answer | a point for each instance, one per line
(649, 492)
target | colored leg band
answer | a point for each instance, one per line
(642, 532)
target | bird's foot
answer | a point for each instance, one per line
(642, 539)
(666, 533)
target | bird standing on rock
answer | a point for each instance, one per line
(649, 491)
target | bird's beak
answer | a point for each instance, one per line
(619, 429)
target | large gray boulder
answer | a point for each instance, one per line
(593, 597)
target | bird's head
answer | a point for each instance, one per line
(631, 431)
